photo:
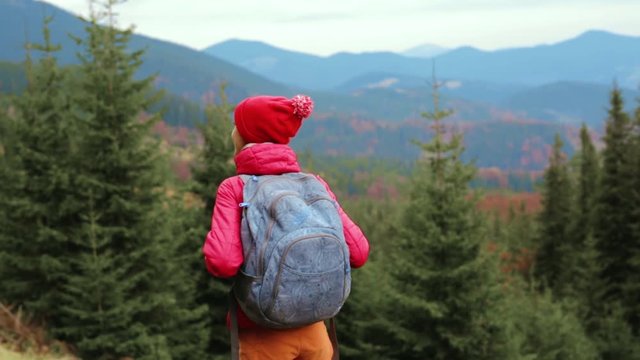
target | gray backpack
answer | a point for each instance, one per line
(296, 262)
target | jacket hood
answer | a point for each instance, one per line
(266, 159)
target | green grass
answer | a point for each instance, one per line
(6, 354)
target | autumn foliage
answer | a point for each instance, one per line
(502, 203)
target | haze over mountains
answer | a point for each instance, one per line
(425, 51)
(370, 103)
(531, 81)
(595, 56)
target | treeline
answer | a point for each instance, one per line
(363, 176)
(101, 244)
(448, 282)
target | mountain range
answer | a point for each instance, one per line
(180, 69)
(595, 56)
(566, 82)
(370, 104)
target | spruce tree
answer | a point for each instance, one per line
(213, 164)
(214, 161)
(121, 297)
(554, 249)
(7, 177)
(38, 213)
(587, 189)
(633, 284)
(441, 289)
(539, 327)
(360, 321)
(582, 270)
(614, 232)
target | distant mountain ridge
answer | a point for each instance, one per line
(531, 82)
(182, 70)
(304, 70)
(594, 56)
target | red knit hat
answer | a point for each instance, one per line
(271, 118)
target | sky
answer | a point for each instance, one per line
(325, 27)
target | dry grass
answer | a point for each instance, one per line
(21, 339)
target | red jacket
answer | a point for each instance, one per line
(222, 249)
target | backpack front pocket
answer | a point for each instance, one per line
(310, 282)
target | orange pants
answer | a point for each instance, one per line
(306, 343)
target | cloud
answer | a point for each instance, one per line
(467, 6)
(318, 17)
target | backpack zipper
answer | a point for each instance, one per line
(270, 227)
(272, 222)
(253, 243)
(260, 185)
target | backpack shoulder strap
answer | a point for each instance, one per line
(233, 314)
(333, 337)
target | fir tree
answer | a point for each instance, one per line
(441, 292)
(587, 191)
(554, 250)
(362, 330)
(360, 321)
(121, 297)
(214, 160)
(7, 177)
(614, 234)
(633, 284)
(37, 179)
(539, 327)
(582, 270)
(212, 166)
